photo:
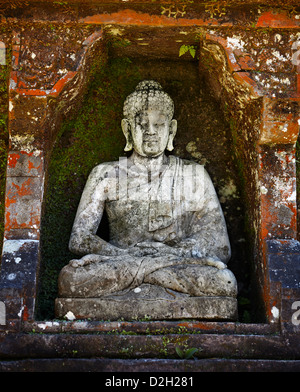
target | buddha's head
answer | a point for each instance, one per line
(148, 123)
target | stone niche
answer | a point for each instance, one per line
(203, 136)
(237, 108)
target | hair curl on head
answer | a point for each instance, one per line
(148, 93)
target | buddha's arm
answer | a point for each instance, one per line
(208, 232)
(83, 238)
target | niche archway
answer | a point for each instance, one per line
(249, 113)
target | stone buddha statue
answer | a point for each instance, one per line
(168, 243)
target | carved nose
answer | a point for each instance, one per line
(151, 130)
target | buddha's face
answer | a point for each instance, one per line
(151, 132)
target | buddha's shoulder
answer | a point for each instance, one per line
(184, 162)
(191, 167)
(105, 169)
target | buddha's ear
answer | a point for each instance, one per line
(172, 133)
(125, 124)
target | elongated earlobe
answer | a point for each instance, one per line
(170, 146)
(126, 130)
(173, 129)
(128, 146)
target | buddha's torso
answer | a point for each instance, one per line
(147, 208)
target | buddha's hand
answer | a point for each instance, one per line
(86, 260)
(206, 260)
(214, 263)
(153, 249)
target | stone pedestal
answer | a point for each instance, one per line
(148, 302)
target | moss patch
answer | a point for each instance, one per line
(92, 136)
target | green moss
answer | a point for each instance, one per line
(90, 137)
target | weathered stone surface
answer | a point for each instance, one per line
(148, 301)
(23, 203)
(284, 273)
(155, 366)
(18, 278)
(111, 345)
